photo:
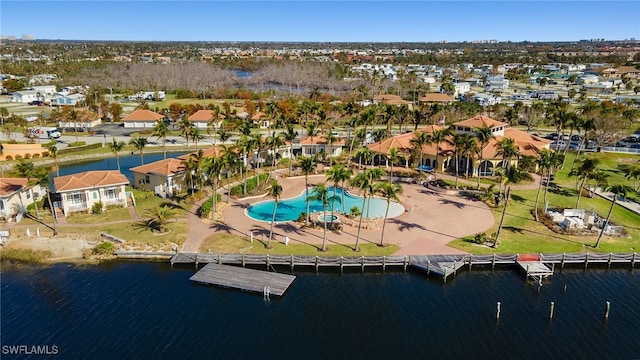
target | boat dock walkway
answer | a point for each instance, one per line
(243, 279)
(443, 265)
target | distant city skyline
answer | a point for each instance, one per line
(321, 21)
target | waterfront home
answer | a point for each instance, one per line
(79, 192)
(142, 119)
(202, 118)
(64, 98)
(440, 156)
(15, 195)
(26, 96)
(163, 177)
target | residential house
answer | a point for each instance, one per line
(163, 177)
(485, 99)
(461, 88)
(44, 90)
(85, 120)
(261, 119)
(312, 145)
(391, 100)
(64, 98)
(628, 71)
(26, 96)
(496, 84)
(202, 118)
(436, 98)
(142, 119)
(15, 195)
(79, 192)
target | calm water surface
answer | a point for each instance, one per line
(125, 310)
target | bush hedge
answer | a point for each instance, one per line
(79, 148)
(206, 207)
(236, 191)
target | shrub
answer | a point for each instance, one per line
(302, 217)
(35, 156)
(25, 255)
(206, 207)
(354, 212)
(96, 209)
(8, 158)
(27, 156)
(104, 248)
(45, 154)
(480, 238)
(236, 191)
(18, 157)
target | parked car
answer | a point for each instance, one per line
(576, 138)
(36, 103)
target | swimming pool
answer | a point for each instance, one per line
(290, 209)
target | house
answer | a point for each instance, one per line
(85, 120)
(202, 118)
(21, 151)
(64, 98)
(142, 119)
(79, 192)
(461, 88)
(44, 90)
(15, 195)
(26, 96)
(163, 177)
(311, 145)
(485, 99)
(261, 119)
(497, 84)
(391, 100)
(436, 98)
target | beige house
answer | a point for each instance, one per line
(79, 192)
(142, 119)
(202, 118)
(15, 195)
(164, 177)
(317, 144)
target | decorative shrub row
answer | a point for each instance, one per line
(206, 207)
(79, 148)
(236, 191)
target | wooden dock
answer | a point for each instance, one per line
(443, 265)
(268, 283)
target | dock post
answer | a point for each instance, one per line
(268, 262)
(493, 262)
(470, 261)
(553, 267)
(291, 262)
(562, 261)
(316, 263)
(341, 263)
(553, 305)
(586, 260)
(609, 262)
(243, 263)
(498, 312)
(196, 261)
(428, 267)
(633, 260)
(219, 259)
(606, 312)
(362, 260)
(384, 262)
(406, 262)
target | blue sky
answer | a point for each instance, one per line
(360, 21)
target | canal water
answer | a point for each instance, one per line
(149, 310)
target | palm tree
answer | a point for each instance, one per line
(223, 135)
(617, 190)
(231, 162)
(259, 144)
(321, 193)
(390, 192)
(42, 179)
(339, 173)
(275, 191)
(53, 153)
(212, 168)
(438, 137)
(586, 167)
(274, 142)
(363, 153)
(365, 181)
(161, 130)
(116, 147)
(195, 135)
(290, 136)
(420, 140)
(193, 169)
(245, 146)
(159, 218)
(544, 162)
(484, 135)
(139, 143)
(307, 165)
(508, 149)
(458, 142)
(185, 127)
(393, 157)
(312, 131)
(24, 169)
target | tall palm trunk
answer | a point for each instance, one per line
(273, 220)
(456, 166)
(324, 237)
(214, 198)
(535, 206)
(228, 187)
(306, 189)
(53, 213)
(384, 223)
(35, 204)
(364, 199)
(604, 226)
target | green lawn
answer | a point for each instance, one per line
(234, 244)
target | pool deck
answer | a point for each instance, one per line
(430, 221)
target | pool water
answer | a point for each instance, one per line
(290, 209)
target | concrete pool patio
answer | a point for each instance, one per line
(431, 221)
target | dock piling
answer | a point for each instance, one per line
(498, 311)
(553, 305)
(606, 312)
(633, 260)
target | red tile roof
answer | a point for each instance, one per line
(320, 140)
(202, 115)
(143, 115)
(436, 97)
(213, 151)
(89, 179)
(163, 167)
(9, 186)
(478, 121)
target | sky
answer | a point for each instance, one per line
(321, 21)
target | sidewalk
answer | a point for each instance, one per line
(631, 205)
